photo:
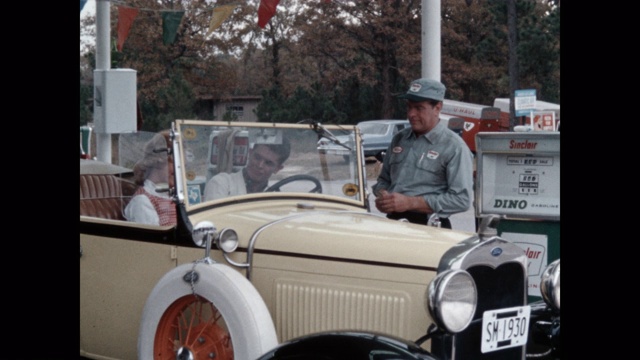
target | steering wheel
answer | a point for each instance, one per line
(300, 177)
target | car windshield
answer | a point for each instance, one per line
(229, 160)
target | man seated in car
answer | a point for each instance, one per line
(264, 161)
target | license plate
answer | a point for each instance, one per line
(505, 328)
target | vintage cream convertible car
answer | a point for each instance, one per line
(240, 275)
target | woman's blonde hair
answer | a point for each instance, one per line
(155, 155)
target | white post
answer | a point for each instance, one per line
(431, 24)
(103, 62)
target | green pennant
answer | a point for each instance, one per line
(170, 22)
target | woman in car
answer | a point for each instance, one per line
(151, 203)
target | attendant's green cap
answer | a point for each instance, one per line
(424, 89)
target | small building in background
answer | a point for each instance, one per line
(237, 108)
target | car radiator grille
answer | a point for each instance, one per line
(493, 293)
(302, 309)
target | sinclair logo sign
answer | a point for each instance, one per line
(522, 145)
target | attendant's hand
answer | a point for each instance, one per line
(387, 202)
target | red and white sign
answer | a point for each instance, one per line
(543, 120)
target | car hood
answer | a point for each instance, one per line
(336, 232)
(344, 139)
(373, 136)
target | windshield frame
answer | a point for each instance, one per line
(183, 129)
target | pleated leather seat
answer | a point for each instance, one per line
(103, 196)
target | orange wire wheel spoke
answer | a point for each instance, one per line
(192, 326)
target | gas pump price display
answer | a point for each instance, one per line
(529, 180)
(528, 184)
(519, 175)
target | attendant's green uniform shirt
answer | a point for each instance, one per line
(437, 166)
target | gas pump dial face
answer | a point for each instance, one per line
(522, 183)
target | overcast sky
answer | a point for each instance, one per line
(88, 9)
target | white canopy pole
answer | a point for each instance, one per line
(431, 24)
(103, 62)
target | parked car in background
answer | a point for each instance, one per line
(455, 123)
(376, 137)
(377, 134)
(305, 263)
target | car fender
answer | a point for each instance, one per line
(243, 309)
(348, 345)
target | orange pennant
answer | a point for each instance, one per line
(126, 15)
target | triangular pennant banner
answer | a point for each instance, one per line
(266, 11)
(82, 3)
(170, 22)
(220, 14)
(126, 15)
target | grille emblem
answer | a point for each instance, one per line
(496, 251)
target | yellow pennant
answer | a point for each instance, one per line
(220, 14)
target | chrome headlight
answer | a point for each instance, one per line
(201, 231)
(227, 241)
(550, 285)
(452, 298)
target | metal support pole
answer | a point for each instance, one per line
(103, 62)
(431, 55)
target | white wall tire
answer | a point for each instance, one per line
(245, 314)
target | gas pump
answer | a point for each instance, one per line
(518, 177)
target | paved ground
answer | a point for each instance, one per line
(465, 221)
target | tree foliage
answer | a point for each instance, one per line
(336, 61)
(474, 50)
